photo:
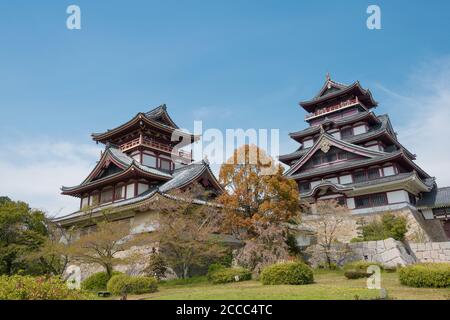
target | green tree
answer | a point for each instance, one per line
(22, 230)
(389, 226)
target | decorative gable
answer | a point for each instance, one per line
(329, 150)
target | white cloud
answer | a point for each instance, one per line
(425, 104)
(33, 170)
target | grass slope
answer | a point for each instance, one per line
(327, 286)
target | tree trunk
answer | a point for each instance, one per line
(185, 271)
(109, 270)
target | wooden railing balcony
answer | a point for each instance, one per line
(333, 108)
(154, 145)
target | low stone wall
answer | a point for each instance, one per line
(388, 252)
(431, 251)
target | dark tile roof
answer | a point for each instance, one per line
(344, 166)
(183, 176)
(398, 177)
(436, 198)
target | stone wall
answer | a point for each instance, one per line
(388, 252)
(431, 251)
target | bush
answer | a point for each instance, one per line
(287, 273)
(213, 268)
(157, 266)
(38, 288)
(360, 265)
(125, 284)
(389, 226)
(225, 275)
(97, 281)
(356, 274)
(427, 275)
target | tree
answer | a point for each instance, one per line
(187, 230)
(22, 230)
(329, 221)
(107, 244)
(157, 266)
(259, 205)
(53, 255)
(388, 226)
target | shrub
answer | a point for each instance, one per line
(213, 268)
(225, 275)
(125, 284)
(360, 266)
(428, 275)
(97, 281)
(38, 288)
(287, 273)
(356, 274)
(389, 226)
(157, 266)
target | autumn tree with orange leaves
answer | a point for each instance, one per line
(259, 206)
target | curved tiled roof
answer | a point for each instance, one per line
(437, 198)
(429, 183)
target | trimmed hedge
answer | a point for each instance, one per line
(295, 273)
(226, 275)
(426, 275)
(358, 269)
(125, 284)
(214, 267)
(356, 274)
(38, 288)
(97, 281)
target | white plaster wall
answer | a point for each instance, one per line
(315, 183)
(374, 147)
(351, 203)
(308, 143)
(428, 214)
(336, 134)
(333, 180)
(389, 171)
(397, 196)
(346, 179)
(359, 129)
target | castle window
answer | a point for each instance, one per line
(373, 173)
(346, 132)
(93, 199)
(120, 192)
(165, 164)
(372, 200)
(130, 191)
(304, 186)
(149, 160)
(359, 176)
(107, 195)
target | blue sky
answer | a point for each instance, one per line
(232, 64)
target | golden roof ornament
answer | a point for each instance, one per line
(325, 145)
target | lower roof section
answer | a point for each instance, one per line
(410, 182)
(437, 198)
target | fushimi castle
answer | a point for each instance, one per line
(350, 154)
(347, 153)
(139, 164)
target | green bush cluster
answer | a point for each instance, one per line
(295, 273)
(37, 288)
(124, 284)
(97, 281)
(225, 275)
(427, 275)
(358, 269)
(213, 268)
(389, 226)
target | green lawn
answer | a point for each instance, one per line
(327, 286)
